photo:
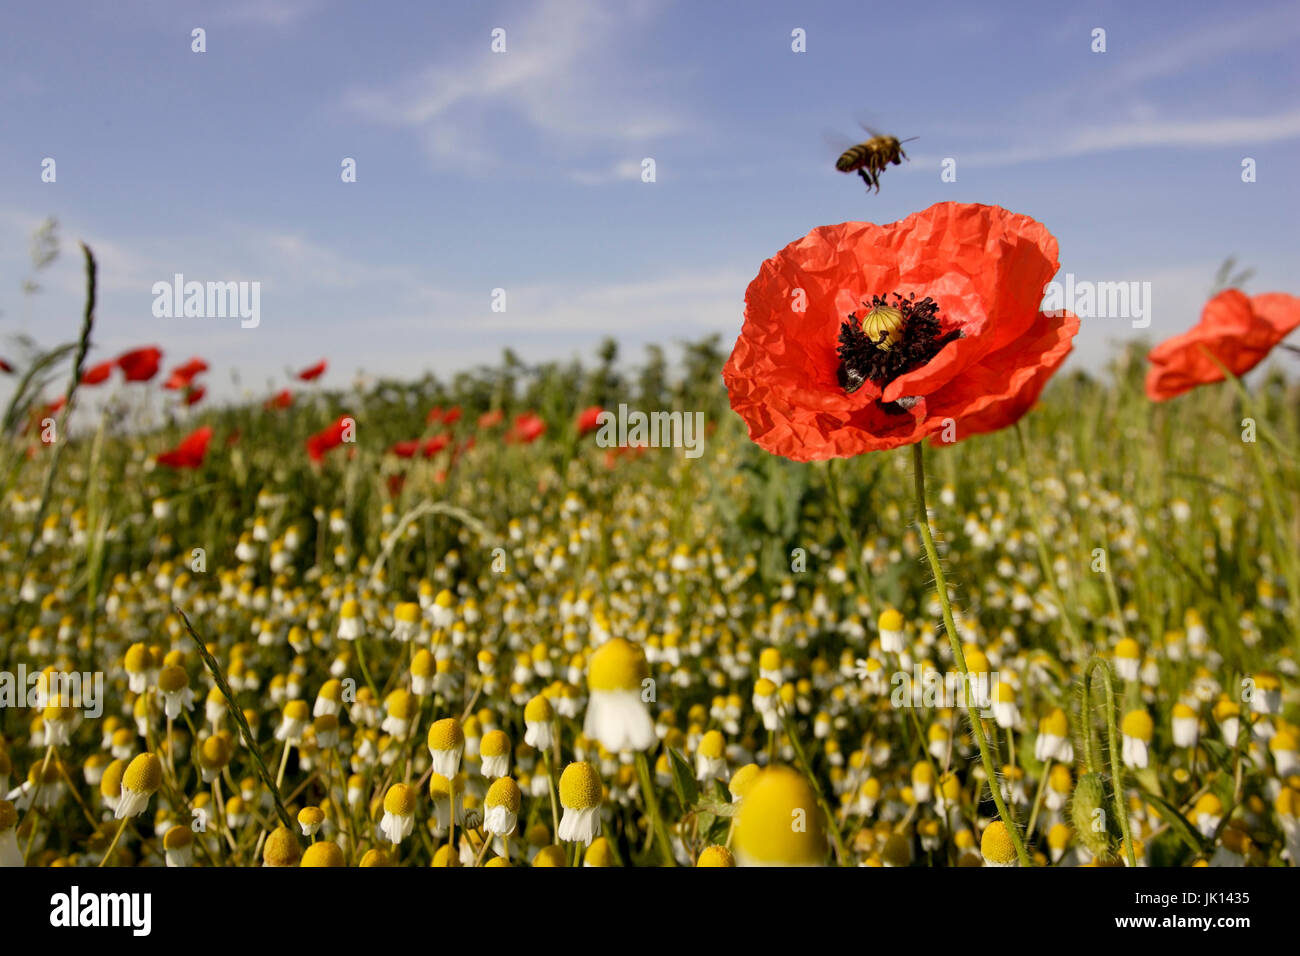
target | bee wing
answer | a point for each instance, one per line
(838, 141)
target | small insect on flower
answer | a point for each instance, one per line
(869, 159)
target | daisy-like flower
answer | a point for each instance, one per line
(494, 752)
(580, 796)
(616, 714)
(1207, 814)
(538, 717)
(442, 610)
(174, 683)
(140, 781)
(899, 330)
(323, 853)
(1283, 745)
(446, 797)
(138, 664)
(401, 708)
(780, 823)
(424, 669)
(1058, 841)
(501, 807)
(1005, 711)
(766, 702)
(178, 846)
(1267, 695)
(214, 756)
(281, 848)
(1128, 659)
(1053, 739)
(351, 624)
(399, 812)
(890, 625)
(310, 820)
(446, 746)
(293, 722)
(1136, 731)
(1186, 726)
(996, 846)
(711, 757)
(406, 621)
(10, 854)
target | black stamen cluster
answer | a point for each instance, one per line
(920, 339)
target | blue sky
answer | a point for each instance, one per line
(521, 170)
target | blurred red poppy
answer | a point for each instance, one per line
(435, 444)
(1236, 329)
(435, 415)
(195, 395)
(183, 375)
(281, 399)
(6, 367)
(406, 449)
(97, 374)
(190, 452)
(588, 419)
(491, 419)
(452, 415)
(313, 372)
(328, 438)
(526, 429)
(861, 337)
(140, 365)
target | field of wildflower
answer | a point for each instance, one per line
(454, 623)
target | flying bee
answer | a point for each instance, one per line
(869, 159)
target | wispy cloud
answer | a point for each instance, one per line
(560, 75)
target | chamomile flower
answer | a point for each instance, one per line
(446, 742)
(538, 718)
(1136, 731)
(996, 846)
(399, 812)
(780, 823)
(501, 807)
(140, 781)
(581, 797)
(494, 754)
(616, 713)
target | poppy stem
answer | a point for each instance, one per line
(1112, 743)
(851, 543)
(954, 641)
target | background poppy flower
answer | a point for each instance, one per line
(526, 429)
(97, 374)
(190, 452)
(183, 376)
(434, 444)
(1236, 329)
(327, 438)
(587, 419)
(140, 365)
(957, 288)
(281, 399)
(311, 373)
(195, 395)
(491, 419)
(406, 449)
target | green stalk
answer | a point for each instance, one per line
(954, 641)
(1112, 740)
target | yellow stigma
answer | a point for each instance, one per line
(884, 326)
(715, 856)
(503, 793)
(996, 843)
(446, 734)
(144, 775)
(617, 665)
(580, 787)
(779, 820)
(400, 800)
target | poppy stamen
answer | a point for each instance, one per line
(890, 340)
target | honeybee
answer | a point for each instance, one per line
(869, 159)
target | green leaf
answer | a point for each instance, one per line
(1177, 822)
(683, 780)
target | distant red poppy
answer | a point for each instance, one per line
(97, 374)
(140, 365)
(406, 449)
(182, 376)
(328, 438)
(6, 367)
(282, 399)
(190, 452)
(452, 415)
(395, 483)
(588, 419)
(435, 415)
(313, 372)
(1236, 329)
(435, 444)
(491, 419)
(195, 395)
(861, 337)
(526, 429)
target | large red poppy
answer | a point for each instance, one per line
(190, 452)
(965, 349)
(327, 438)
(97, 374)
(140, 365)
(1237, 330)
(311, 373)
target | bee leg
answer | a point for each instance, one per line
(866, 177)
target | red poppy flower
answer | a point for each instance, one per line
(182, 376)
(314, 372)
(526, 429)
(97, 374)
(1236, 329)
(491, 419)
(328, 438)
(435, 415)
(452, 415)
(190, 452)
(435, 444)
(395, 484)
(860, 337)
(140, 365)
(195, 395)
(588, 419)
(281, 399)
(7, 368)
(406, 449)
